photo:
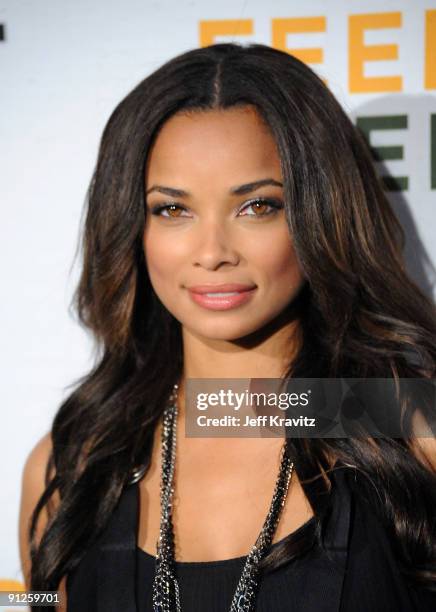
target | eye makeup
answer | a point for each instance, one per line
(274, 205)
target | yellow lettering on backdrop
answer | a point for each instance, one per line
(11, 585)
(358, 53)
(209, 29)
(430, 50)
(298, 25)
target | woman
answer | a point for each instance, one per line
(234, 168)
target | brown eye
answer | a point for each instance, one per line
(262, 207)
(173, 211)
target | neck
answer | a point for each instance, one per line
(268, 353)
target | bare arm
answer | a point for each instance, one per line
(32, 487)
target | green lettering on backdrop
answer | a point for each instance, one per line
(383, 153)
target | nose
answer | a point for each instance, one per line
(215, 246)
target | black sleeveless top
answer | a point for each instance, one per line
(355, 570)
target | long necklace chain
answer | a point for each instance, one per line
(166, 592)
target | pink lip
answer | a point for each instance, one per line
(222, 288)
(243, 294)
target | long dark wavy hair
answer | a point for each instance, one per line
(361, 315)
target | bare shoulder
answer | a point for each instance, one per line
(424, 442)
(32, 487)
(36, 463)
(33, 483)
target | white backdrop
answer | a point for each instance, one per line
(66, 64)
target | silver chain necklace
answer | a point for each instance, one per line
(166, 592)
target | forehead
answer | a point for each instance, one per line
(224, 144)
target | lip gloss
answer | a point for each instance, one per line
(221, 300)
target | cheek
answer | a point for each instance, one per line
(158, 257)
(281, 264)
(288, 265)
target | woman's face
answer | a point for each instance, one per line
(215, 216)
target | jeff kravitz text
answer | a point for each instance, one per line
(259, 421)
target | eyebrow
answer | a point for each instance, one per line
(239, 190)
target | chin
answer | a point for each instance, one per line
(224, 330)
